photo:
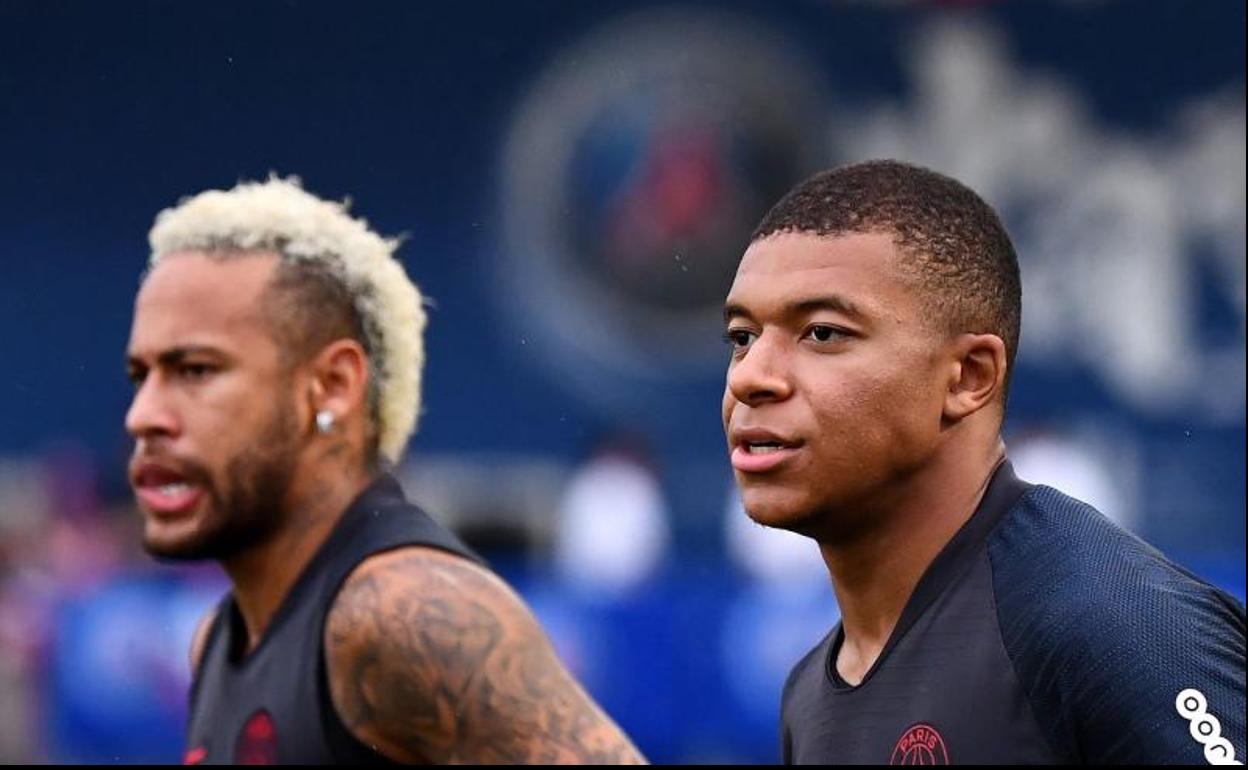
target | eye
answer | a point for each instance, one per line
(136, 375)
(739, 339)
(195, 371)
(825, 333)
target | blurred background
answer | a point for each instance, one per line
(576, 182)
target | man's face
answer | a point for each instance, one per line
(836, 383)
(213, 418)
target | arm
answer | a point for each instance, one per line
(433, 659)
(1104, 633)
(1105, 680)
(1127, 700)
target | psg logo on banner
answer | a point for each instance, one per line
(633, 174)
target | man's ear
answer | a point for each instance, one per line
(339, 379)
(976, 374)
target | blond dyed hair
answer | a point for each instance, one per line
(278, 215)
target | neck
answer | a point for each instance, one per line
(262, 576)
(875, 573)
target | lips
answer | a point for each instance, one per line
(758, 450)
(163, 490)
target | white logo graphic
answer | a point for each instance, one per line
(1113, 229)
(1205, 728)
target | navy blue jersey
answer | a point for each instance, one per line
(1041, 633)
(272, 705)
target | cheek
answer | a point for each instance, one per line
(908, 409)
(249, 398)
(853, 396)
(228, 397)
(873, 406)
(231, 415)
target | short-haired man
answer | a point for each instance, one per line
(873, 322)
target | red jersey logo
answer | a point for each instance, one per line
(920, 744)
(257, 743)
(195, 756)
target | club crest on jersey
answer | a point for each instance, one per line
(257, 743)
(195, 756)
(920, 744)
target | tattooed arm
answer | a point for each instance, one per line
(433, 659)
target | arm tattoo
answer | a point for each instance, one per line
(431, 658)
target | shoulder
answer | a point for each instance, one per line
(1104, 632)
(419, 579)
(450, 609)
(431, 657)
(439, 613)
(404, 638)
(1056, 560)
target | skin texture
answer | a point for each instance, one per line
(433, 659)
(430, 657)
(838, 396)
(219, 403)
(194, 409)
(891, 420)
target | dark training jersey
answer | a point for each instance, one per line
(273, 704)
(1041, 633)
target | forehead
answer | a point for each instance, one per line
(862, 268)
(192, 297)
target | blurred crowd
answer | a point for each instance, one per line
(688, 650)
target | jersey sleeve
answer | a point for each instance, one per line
(1125, 657)
(1169, 690)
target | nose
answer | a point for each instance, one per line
(150, 414)
(762, 374)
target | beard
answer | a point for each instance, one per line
(248, 507)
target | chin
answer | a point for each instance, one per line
(176, 543)
(778, 508)
(173, 549)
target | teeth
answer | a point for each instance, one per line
(763, 449)
(176, 488)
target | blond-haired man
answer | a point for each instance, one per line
(276, 352)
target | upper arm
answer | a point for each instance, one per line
(432, 658)
(1104, 633)
(1115, 682)
(200, 640)
(1129, 711)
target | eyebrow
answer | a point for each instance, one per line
(175, 356)
(800, 307)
